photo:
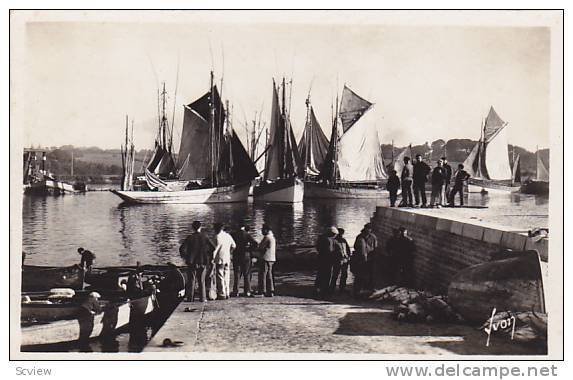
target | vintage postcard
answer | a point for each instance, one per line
(257, 184)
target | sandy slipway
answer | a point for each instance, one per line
(296, 322)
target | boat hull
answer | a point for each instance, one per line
(535, 187)
(49, 187)
(315, 190)
(510, 284)
(103, 324)
(288, 190)
(482, 186)
(227, 194)
(36, 278)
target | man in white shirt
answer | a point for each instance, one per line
(222, 258)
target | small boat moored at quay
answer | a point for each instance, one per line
(513, 282)
(55, 316)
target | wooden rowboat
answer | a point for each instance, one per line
(36, 278)
(60, 320)
(116, 315)
(511, 283)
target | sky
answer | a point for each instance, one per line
(79, 79)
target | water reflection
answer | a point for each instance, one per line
(54, 227)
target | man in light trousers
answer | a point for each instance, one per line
(222, 257)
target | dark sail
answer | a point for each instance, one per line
(233, 165)
(313, 146)
(283, 159)
(352, 107)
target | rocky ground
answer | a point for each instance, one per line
(295, 321)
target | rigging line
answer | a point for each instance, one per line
(175, 99)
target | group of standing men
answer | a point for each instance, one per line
(366, 262)
(206, 259)
(335, 258)
(414, 177)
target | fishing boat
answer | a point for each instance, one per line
(281, 181)
(212, 166)
(54, 317)
(36, 278)
(488, 162)
(353, 166)
(38, 180)
(116, 314)
(540, 184)
(513, 282)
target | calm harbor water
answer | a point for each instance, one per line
(54, 227)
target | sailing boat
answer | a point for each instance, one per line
(281, 182)
(313, 145)
(488, 162)
(354, 166)
(539, 185)
(38, 180)
(213, 165)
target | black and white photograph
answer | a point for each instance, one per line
(286, 184)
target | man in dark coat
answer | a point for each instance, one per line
(459, 180)
(362, 262)
(438, 182)
(197, 251)
(421, 171)
(87, 259)
(392, 186)
(242, 265)
(400, 249)
(326, 246)
(406, 177)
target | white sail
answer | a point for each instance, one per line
(497, 157)
(360, 153)
(542, 171)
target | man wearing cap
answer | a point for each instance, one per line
(421, 171)
(242, 260)
(197, 251)
(363, 259)
(326, 246)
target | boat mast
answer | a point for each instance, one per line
(536, 162)
(285, 132)
(307, 134)
(163, 118)
(212, 134)
(335, 136)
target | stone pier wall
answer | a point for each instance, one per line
(445, 245)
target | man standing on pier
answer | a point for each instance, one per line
(438, 182)
(326, 248)
(267, 247)
(242, 260)
(196, 250)
(222, 257)
(421, 171)
(459, 180)
(407, 175)
(392, 186)
(340, 265)
(363, 260)
(448, 171)
(400, 248)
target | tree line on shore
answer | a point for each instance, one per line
(93, 164)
